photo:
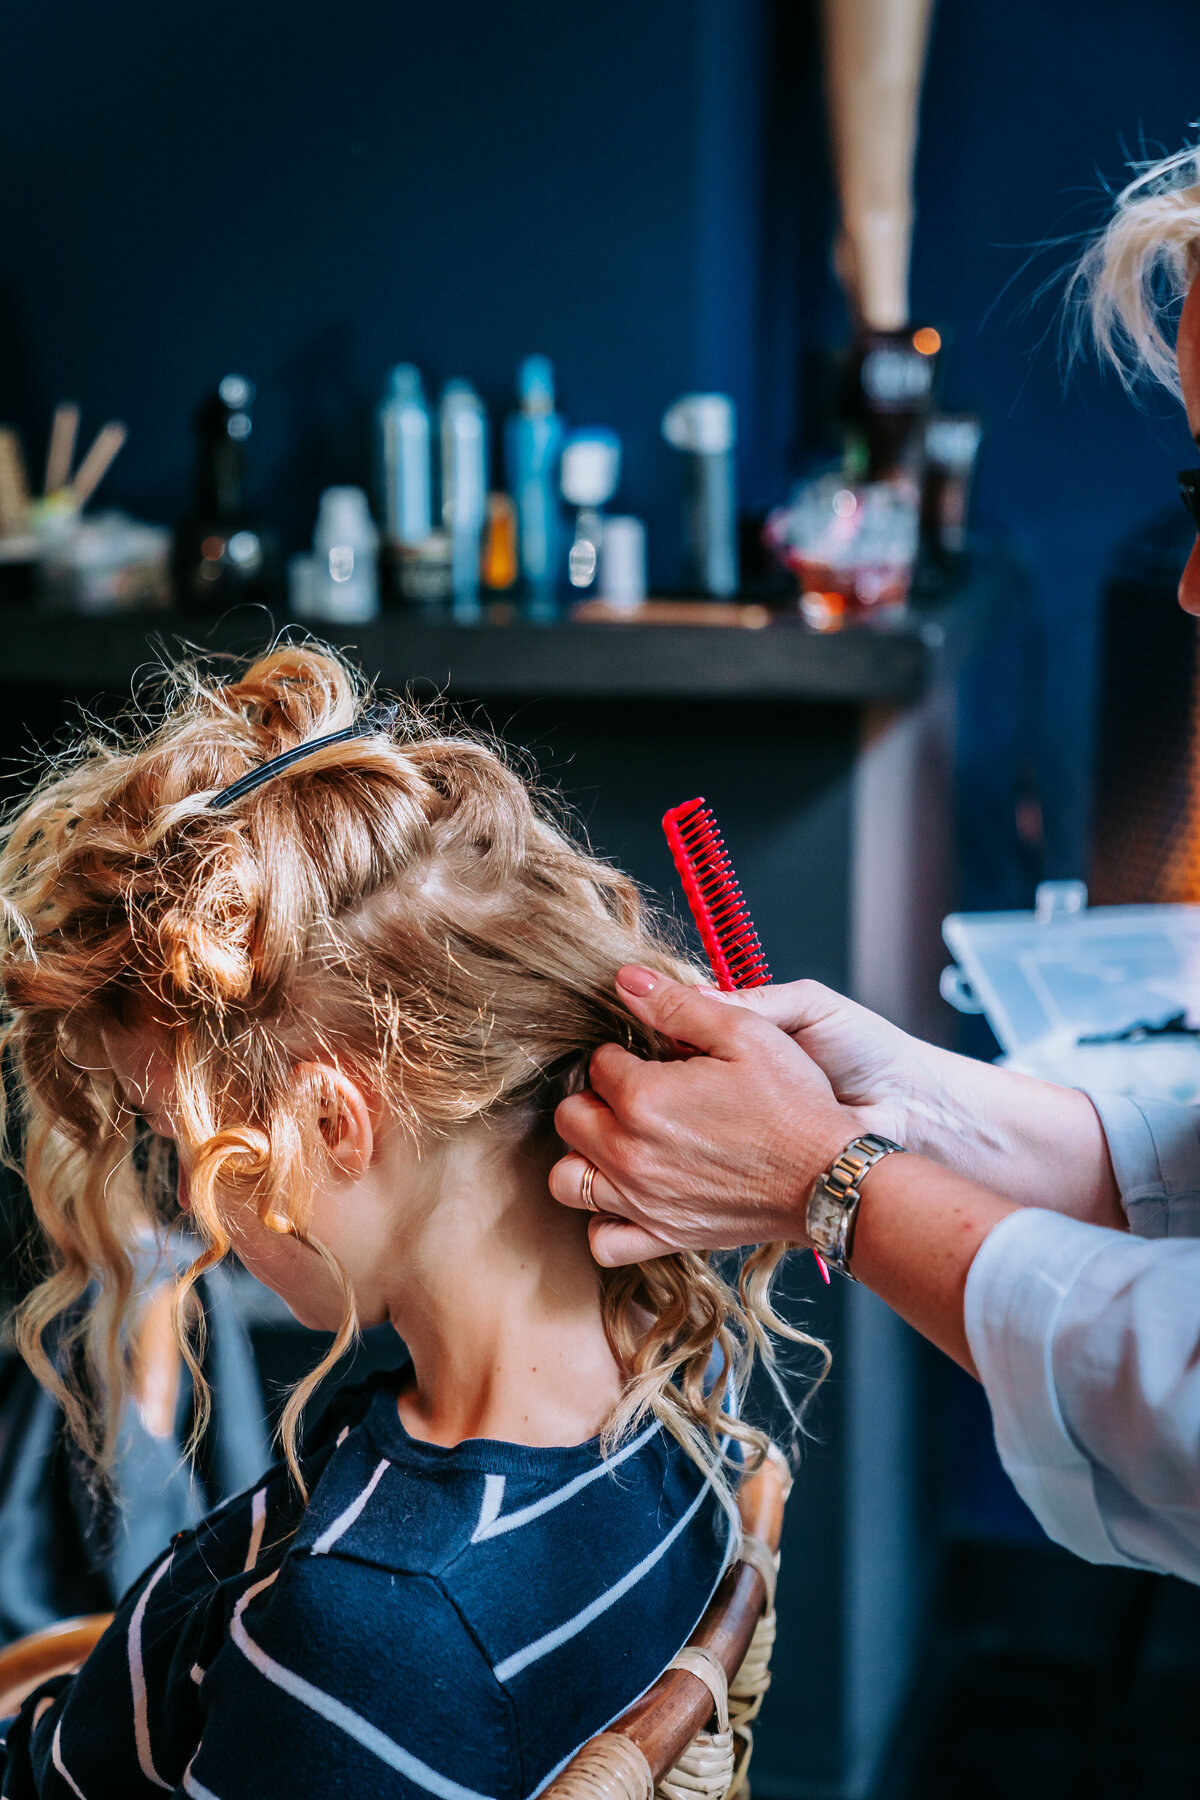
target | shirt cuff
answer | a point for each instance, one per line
(1016, 1287)
(1155, 1150)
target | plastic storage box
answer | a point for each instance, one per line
(1105, 997)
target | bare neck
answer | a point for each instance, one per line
(495, 1293)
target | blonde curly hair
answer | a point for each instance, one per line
(1132, 277)
(400, 904)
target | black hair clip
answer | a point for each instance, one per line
(378, 719)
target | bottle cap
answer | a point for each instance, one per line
(236, 392)
(343, 517)
(590, 468)
(462, 410)
(458, 393)
(535, 385)
(404, 383)
(703, 424)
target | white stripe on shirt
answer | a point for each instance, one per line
(558, 1768)
(337, 1713)
(489, 1512)
(562, 1634)
(490, 1527)
(137, 1679)
(345, 1520)
(56, 1759)
(196, 1789)
(258, 1519)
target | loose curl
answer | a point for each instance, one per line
(399, 904)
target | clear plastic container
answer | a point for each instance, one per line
(1105, 997)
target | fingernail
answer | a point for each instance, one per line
(636, 980)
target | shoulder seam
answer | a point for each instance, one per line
(337, 1554)
(510, 1709)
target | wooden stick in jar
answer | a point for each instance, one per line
(14, 485)
(874, 60)
(61, 453)
(97, 462)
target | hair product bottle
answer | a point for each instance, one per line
(703, 427)
(404, 445)
(532, 446)
(222, 554)
(622, 575)
(463, 423)
(590, 471)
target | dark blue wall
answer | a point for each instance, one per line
(1027, 105)
(308, 193)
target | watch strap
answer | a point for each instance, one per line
(832, 1208)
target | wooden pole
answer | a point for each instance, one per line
(874, 61)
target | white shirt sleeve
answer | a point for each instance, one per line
(1155, 1150)
(1088, 1345)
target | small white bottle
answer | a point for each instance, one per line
(622, 574)
(345, 582)
(588, 476)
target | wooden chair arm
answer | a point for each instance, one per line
(59, 1649)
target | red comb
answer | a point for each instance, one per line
(718, 906)
(721, 915)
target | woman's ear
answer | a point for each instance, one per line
(344, 1116)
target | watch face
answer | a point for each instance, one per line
(834, 1200)
(824, 1220)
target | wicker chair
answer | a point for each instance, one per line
(662, 1747)
(665, 1747)
(58, 1650)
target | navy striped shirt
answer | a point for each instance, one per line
(453, 1622)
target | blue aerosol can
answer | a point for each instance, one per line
(533, 438)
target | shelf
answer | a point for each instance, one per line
(503, 653)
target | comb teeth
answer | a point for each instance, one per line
(718, 907)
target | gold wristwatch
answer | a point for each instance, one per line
(833, 1203)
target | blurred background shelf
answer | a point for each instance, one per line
(506, 653)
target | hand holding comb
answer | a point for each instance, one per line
(718, 906)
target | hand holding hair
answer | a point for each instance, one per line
(721, 1149)
(707, 1152)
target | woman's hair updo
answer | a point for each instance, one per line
(399, 904)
